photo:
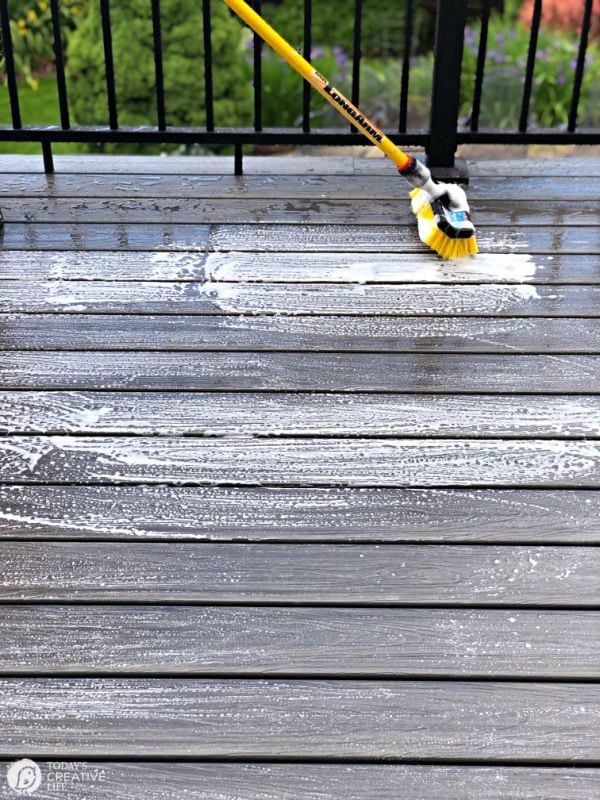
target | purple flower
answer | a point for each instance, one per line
(341, 56)
(541, 54)
(500, 58)
(561, 78)
(500, 37)
(318, 52)
(573, 64)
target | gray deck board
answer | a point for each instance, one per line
(338, 372)
(211, 297)
(272, 781)
(407, 575)
(568, 166)
(331, 333)
(300, 514)
(262, 414)
(296, 267)
(279, 485)
(263, 641)
(319, 719)
(82, 189)
(247, 460)
(129, 207)
(203, 238)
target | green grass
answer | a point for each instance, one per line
(38, 107)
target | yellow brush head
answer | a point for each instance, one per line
(431, 234)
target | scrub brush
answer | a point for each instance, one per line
(442, 211)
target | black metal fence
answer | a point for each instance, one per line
(440, 140)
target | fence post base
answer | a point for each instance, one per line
(459, 173)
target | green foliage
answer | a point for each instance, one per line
(32, 34)
(333, 24)
(183, 64)
(283, 87)
(38, 107)
(556, 56)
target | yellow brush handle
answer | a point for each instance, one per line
(309, 73)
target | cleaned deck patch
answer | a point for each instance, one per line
(280, 487)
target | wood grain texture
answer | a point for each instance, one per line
(410, 575)
(299, 514)
(161, 598)
(298, 267)
(202, 238)
(220, 414)
(117, 203)
(257, 641)
(300, 333)
(343, 372)
(251, 718)
(376, 238)
(109, 780)
(213, 297)
(523, 165)
(255, 461)
(321, 187)
(296, 164)
(132, 165)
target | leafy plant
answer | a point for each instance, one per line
(506, 60)
(333, 24)
(283, 87)
(32, 34)
(183, 54)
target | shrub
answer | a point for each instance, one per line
(283, 87)
(505, 70)
(33, 36)
(183, 65)
(333, 24)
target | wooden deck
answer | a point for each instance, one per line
(289, 508)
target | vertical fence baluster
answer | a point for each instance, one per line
(109, 65)
(258, 46)
(307, 52)
(158, 66)
(481, 53)
(48, 159)
(59, 61)
(208, 76)
(356, 55)
(9, 65)
(527, 86)
(408, 32)
(445, 95)
(238, 159)
(580, 65)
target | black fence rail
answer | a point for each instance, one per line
(440, 140)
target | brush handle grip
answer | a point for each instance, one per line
(321, 84)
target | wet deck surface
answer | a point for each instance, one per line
(289, 508)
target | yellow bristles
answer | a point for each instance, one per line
(433, 237)
(450, 248)
(420, 203)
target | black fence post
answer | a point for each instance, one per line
(445, 97)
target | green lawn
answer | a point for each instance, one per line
(38, 107)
